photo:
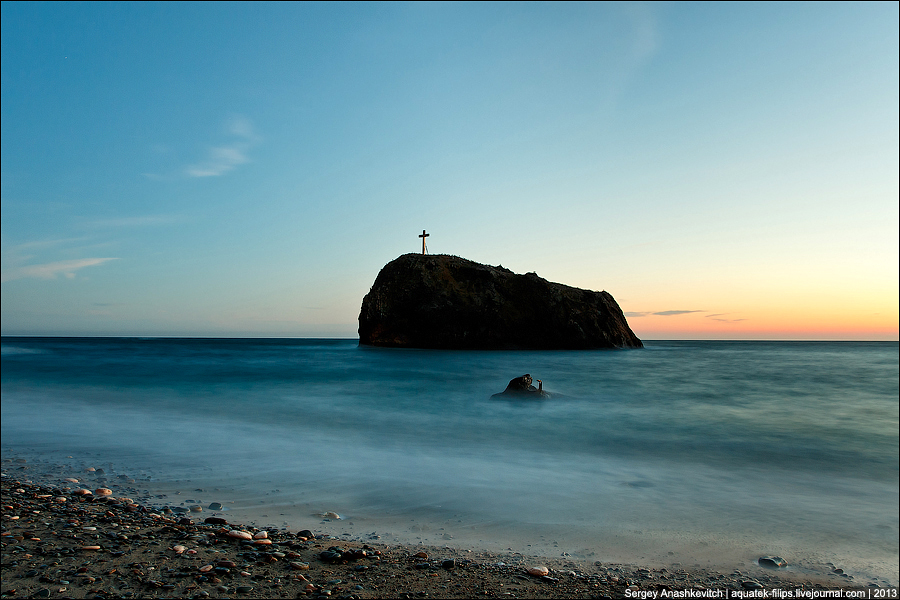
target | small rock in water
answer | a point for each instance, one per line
(331, 515)
(196, 508)
(306, 533)
(215, 506)
(772, 562)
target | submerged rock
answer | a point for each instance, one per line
(441, 301)
(522, 387)
(772, 562)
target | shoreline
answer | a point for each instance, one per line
(58, 541)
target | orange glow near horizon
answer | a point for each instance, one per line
(801, 312)
(808, 327)
(798, 324)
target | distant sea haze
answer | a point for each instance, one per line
(709, 452)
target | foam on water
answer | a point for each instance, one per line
(694, 452)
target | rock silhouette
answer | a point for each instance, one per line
(442, 301)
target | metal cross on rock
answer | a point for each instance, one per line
(423, 236)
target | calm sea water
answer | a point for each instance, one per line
(692, 452)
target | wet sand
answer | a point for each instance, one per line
(69, 540)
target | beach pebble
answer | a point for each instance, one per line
(240, 535)
(330, 556)
(306, 533)
(103, 492)
(260, 535)
(300, 566)
(196, 508)
(179, 549)
(215, 521)
(206, 568)
(72, 480)
(751, 585)
(538, 571)
(215, 506)
(331, 515)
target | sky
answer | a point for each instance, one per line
(725, 171)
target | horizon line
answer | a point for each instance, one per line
(260, 337)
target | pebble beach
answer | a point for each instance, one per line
(84, 538)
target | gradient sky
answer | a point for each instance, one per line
(723, 170)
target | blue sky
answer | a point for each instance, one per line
(723, 170)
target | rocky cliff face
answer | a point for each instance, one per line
(441, 301)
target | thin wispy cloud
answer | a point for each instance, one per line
(33, 260)
(662, 313)
(66, 268)
(43, 244)
(223, 158)
(718, 317)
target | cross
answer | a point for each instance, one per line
(423, 236)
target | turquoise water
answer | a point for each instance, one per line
(698, 452)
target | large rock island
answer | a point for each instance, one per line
(442, 301)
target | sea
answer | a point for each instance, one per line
(691, 453)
